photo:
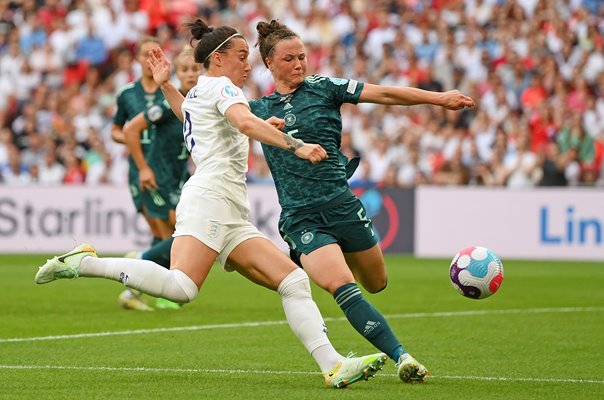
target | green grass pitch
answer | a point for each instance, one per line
(540, 337)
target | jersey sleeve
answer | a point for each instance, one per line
(158, 113)
(120, 117)
(227, 94)
(344, 90)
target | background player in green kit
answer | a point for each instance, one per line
(165, 169)
(323, 222)
(133, 99)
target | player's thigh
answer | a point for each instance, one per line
(326, 266)
(192, 257)
(260, 261)
(369, 268)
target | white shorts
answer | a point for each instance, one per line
(214, 220)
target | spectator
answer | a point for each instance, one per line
(91, 49)
(15, 172)
(553, 165)
(521, 165)
(573, 136)
(6, 142)
(74, 173)
(34, 152)
(51, 172)
(380, 158)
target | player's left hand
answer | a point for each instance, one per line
(455, 100)
(276, 122)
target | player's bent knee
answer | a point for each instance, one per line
(296, 284)
(179, 287)
(376, 286)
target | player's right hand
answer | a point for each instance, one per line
(312, 152)
(159, 65)
(147, 179)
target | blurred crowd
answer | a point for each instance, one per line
(534, 67)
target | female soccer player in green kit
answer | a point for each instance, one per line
(324, 223)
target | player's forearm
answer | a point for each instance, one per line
(266, 133)
(174, 98)
(133, 141)
(118, 136)
(404, 96)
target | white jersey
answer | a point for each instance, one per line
(218, 149)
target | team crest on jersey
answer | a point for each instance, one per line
(229, 91)
(154, 113)
(307, 237)
(290, 119)
(212, 230)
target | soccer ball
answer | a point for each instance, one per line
(476, 272)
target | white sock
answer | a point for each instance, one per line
(305, 319)
(143, 275)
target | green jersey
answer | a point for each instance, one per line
(311, 113)
(132, 100)
(168, 154)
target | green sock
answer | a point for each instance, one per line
(368, 321)
(155, 241)
(160, 253)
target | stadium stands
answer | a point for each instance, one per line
(535, 68)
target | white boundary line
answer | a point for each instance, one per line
(559, 310)
(265, 372)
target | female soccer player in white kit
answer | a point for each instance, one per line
(212, 214)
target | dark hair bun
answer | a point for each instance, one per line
(264, 29)
(199, 28)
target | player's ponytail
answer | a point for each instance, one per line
(209, 39)
(198, 28)
(269, 33)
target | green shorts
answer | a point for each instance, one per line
(343, 221)
(158, 202)
(135, 192)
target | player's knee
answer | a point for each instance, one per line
(179, 287)
(376, 285)
(296, 284)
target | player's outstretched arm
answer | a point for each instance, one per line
(266, 132)
(408, 96)
(160, 66)
(132, 133)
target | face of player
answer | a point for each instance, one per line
(143, 55)
(234, 63)
(187, 72)
(288, 62)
